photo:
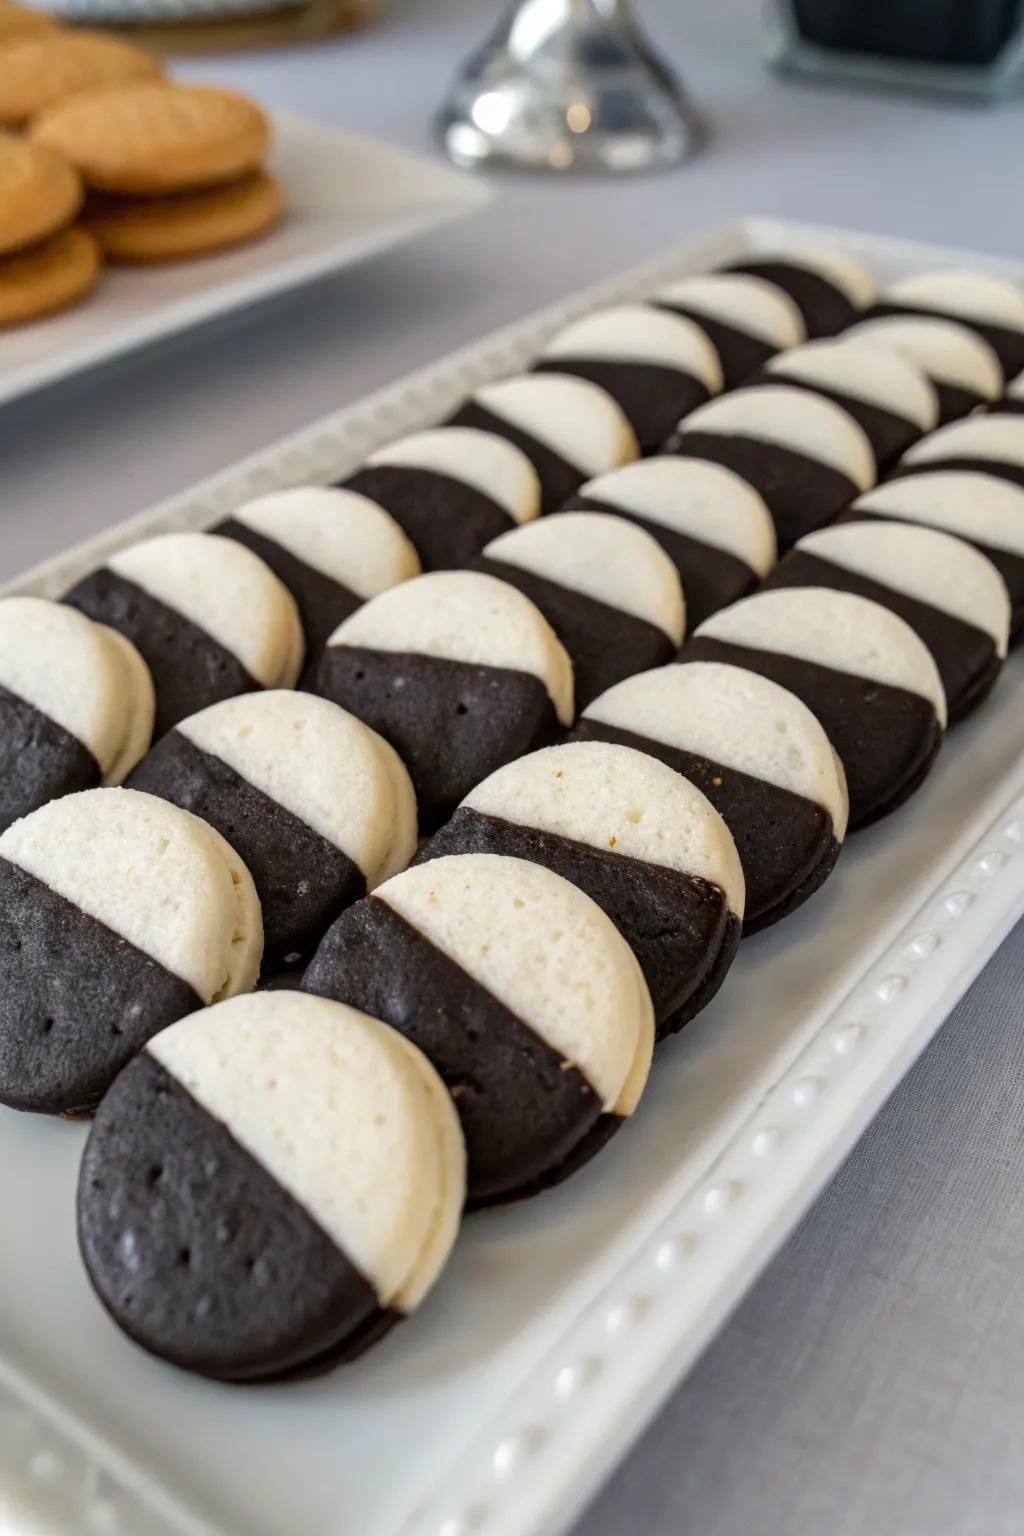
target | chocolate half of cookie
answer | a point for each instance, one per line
(829, 287)
(989, 444)
(963, 369)
(990, 305)
(746, 319)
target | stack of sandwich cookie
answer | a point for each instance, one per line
(607, 588)
(119, 914)
(862, 670)
(459, 672)
(992, 306)
(963, 370)
(209, 618)
(523, 994)
(451, 489)
(713, 526)
(760, 757)
(76, 705)
(269, 1187)
(319, 806)
(569, 429)
(747, 319)
(638, 839)
(46, 261)
(989, 444)
(830, 287)
(803, 454)
(39, 71)
(332, 549)
(657, 366)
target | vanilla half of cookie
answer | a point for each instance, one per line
(963, 369)
(990, 444)
(829, 286)
(747, 319)
(992, 306)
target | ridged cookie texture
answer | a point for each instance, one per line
(459, 672)
(963, 369)
(269, 1187)
(859, 668)
(523, 994)
(39, 193)
(829, 286)
(990, 305)
(990, 444)
(639, 839)
(746, 318)
(760, 757)
(119, 914)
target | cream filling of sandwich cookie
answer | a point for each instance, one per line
(339, 533)
(866, 371)
(640, 333)
(978, 296)
(574, 418)
(738, 299)
(482, 460)
(945, 350)
(961, 501)
(791, 418)
(999, 439)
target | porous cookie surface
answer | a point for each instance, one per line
(451, 489)
(861, 669)
(209, 617)
(993, 306)
(606, 587)
(523, 994)
(153, 229)
(829, 286)
(49, 67)
(39, 192)
(316, 804)
(120, 914)
(286, 1175)
(48, 276)
(714, 527)
(759, 755)
(155, 137)
(991, 443)
(638, 839)
(962, 367)
(746, 318)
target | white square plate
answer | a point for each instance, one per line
(562, 1323)
(347, 198)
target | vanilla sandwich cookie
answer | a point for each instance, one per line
(963, 369)
(269, 1187)
(569, 428)
(992, 306)
(607, 588)
(333, 550)
(459, 672)
(451, 489)
(760, 757)
(985, 512)
(319, 806)
(209, 618)
(523, 994)
(830, 287)
(713, 526)
(119, 914)
(638, 839)
(656, 365)
(887, 395)
(804, 455)
(76, 705)
(949, 594)
(747, 319)
(988, 444)
(858, 667)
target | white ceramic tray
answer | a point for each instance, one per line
(348, 198)
(560, 1325)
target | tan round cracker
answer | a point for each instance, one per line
(39, 71)
(49, 276)
(150, 229)
(154, 137)
(39, 193)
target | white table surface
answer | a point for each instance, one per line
(874, 1381)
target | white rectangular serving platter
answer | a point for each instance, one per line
(347, 198)
(561, 1324)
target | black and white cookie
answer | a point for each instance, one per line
(569, 429)
(523, 994)
(119, 913)
(987, 443)
(885, 393)
(992, 306)
(459, 672)
(209, 618)
(607, 588)
(713, 526)
(76, 705)
(746, 318)
(657, 366)
(758, 754)
(451, 489)
(319, 806)
(830, 287)
(269, 1187)
(949, 594)
(804, 455)
(862, 670)
(986, 512)
(333, 550)
(638, 839)
(963, 369)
